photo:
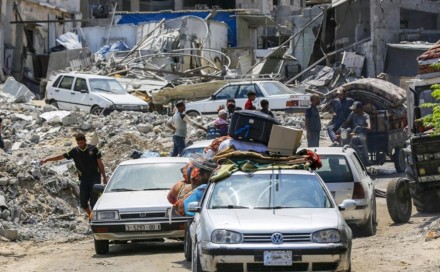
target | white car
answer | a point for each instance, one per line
(91, 93)
(196, 148)
(134, 205)
(347, 178)
(270, 220)
(280, 97)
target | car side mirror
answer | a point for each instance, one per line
(347, 205)
(372, 171)
(213, 96)
(98, 188)
(194, 207)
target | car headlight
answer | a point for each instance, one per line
(422, 171)
(106, 215)
(226, 237)
(326, 236)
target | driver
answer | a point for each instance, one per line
(359, 122)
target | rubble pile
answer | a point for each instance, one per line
(38, 203)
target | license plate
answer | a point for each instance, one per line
(278, 258)
(144, 227)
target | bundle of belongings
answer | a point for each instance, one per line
(429, 62)
(246, 148)
(195, 174)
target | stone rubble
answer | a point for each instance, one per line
(41, 203)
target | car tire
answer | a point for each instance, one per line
(96, 110)
(399, 160)
(370, 227)
(101, 246)
(399, 200)
(195, 259)
(426, 200)
(54, 103)
(187, 244)
(193, 113)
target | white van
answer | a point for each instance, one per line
(91, 93)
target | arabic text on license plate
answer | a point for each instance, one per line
(277, 258)
(144, 227)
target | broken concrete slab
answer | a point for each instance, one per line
(15, 92)
(10, 234)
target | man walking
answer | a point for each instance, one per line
(88, 163)
(313, 122)
(341, 111)
(178, 123)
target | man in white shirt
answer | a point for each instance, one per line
(178, 123)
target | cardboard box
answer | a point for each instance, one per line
(284, 140)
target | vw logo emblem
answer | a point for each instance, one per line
(277, 238)
(142, 214)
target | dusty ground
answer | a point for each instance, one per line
(395, 247)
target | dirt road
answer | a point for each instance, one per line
(395, 247)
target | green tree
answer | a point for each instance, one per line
(433, 120)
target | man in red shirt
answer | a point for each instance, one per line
(251, 97)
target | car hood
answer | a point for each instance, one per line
(126, 99)
(133, 200)
(288, 219)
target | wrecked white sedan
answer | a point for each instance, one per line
(134, 203)
(280, 97)
(91, 93)
(283, 220)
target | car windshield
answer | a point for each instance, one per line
(276, 88)
(142, 177)
(106, 85)
(334, 169)
(269, 191)
(190, 151)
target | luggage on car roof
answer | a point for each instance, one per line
(252, 126)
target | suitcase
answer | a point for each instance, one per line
(251, 126)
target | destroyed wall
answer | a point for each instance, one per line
(265, 6)
(386, 24)
(302, 46)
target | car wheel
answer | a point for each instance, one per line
(96, 110)
(399, 200)
(101, 246)
(54, 103)
(399, 160)
(369, 228)
(195, 260)
(187, 244)
(192, 113)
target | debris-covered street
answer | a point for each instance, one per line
(340, 97)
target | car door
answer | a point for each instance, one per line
(80, 96)
(63, 93)
(241, 96)
(220, 97)
(338, 176)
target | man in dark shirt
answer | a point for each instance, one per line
(313, 121)
(2, 145)
(341, 111)
(88, 163)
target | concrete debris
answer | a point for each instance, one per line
(15, 92)
(41, 203)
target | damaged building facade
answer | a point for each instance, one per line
(315, 32)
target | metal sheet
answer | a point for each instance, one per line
(336, 3)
